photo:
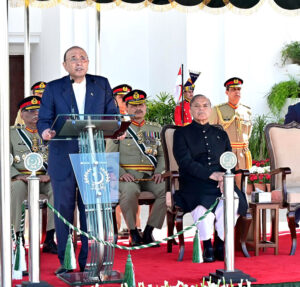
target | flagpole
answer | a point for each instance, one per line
(182, 97)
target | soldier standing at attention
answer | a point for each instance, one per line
(236, 121)
(24, 140)
(141, 165)
(188, 93)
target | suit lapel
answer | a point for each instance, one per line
(90, 95)
(69, 96)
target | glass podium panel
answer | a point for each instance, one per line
(97, 176)
(91, 179)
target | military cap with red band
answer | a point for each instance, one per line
(121, 90)
(135, 97)
(233, 82)
(38, 87)
(30, 103)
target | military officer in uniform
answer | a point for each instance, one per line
(37, 89)
(197, 149)
(188, 93)
(236, 121)
(141, 165)
(24, 140)
(119, 92)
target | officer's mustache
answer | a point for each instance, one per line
(138, 111)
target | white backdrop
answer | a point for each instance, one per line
(145, 48)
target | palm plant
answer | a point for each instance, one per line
(161, 109)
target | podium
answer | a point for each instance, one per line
(97, 176)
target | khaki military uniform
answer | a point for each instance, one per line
(134, 161)
(19, 188)
(237, 123)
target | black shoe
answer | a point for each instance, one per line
(61, 269)
(219, 248)
(50, 247)
(135, 239)
(25, 273)
(81, 268)
(147, 235)
(208, 254)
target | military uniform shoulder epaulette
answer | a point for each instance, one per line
(15, 127)
(220, 105)
(153, 124)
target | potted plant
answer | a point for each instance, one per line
(259, 174)
(279, 94)
(291, 51)
(257, 142)
(161, 109)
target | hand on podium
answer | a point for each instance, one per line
(48, 134)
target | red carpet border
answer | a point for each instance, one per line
(155, 265)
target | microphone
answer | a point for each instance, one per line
(72, 104)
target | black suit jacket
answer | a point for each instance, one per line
(197, 150)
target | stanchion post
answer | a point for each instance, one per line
(228, 161)
(229, 215)
(34, 228)
(34, 162)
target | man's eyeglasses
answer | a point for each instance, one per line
(75, 60)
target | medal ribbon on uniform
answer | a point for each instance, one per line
(28, 143)
(142, 147)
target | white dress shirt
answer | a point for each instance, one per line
(80, 91)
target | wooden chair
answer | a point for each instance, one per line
(175, 214)
(283, 147)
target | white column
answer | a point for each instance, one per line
(5, 235)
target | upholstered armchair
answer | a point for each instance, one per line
(283, 147)
(174, 213)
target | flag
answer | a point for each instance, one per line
(178, 87)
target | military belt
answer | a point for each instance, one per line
(25, 171)
(138, 167)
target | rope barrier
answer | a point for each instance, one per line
(89, 236)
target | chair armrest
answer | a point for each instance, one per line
(244, 172)
(170, 174)
(284, 171)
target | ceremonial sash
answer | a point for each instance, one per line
(142, 147)
(26, 139)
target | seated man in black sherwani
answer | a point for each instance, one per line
(197, 150)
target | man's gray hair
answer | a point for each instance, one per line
(71, 48)
(199, 96)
